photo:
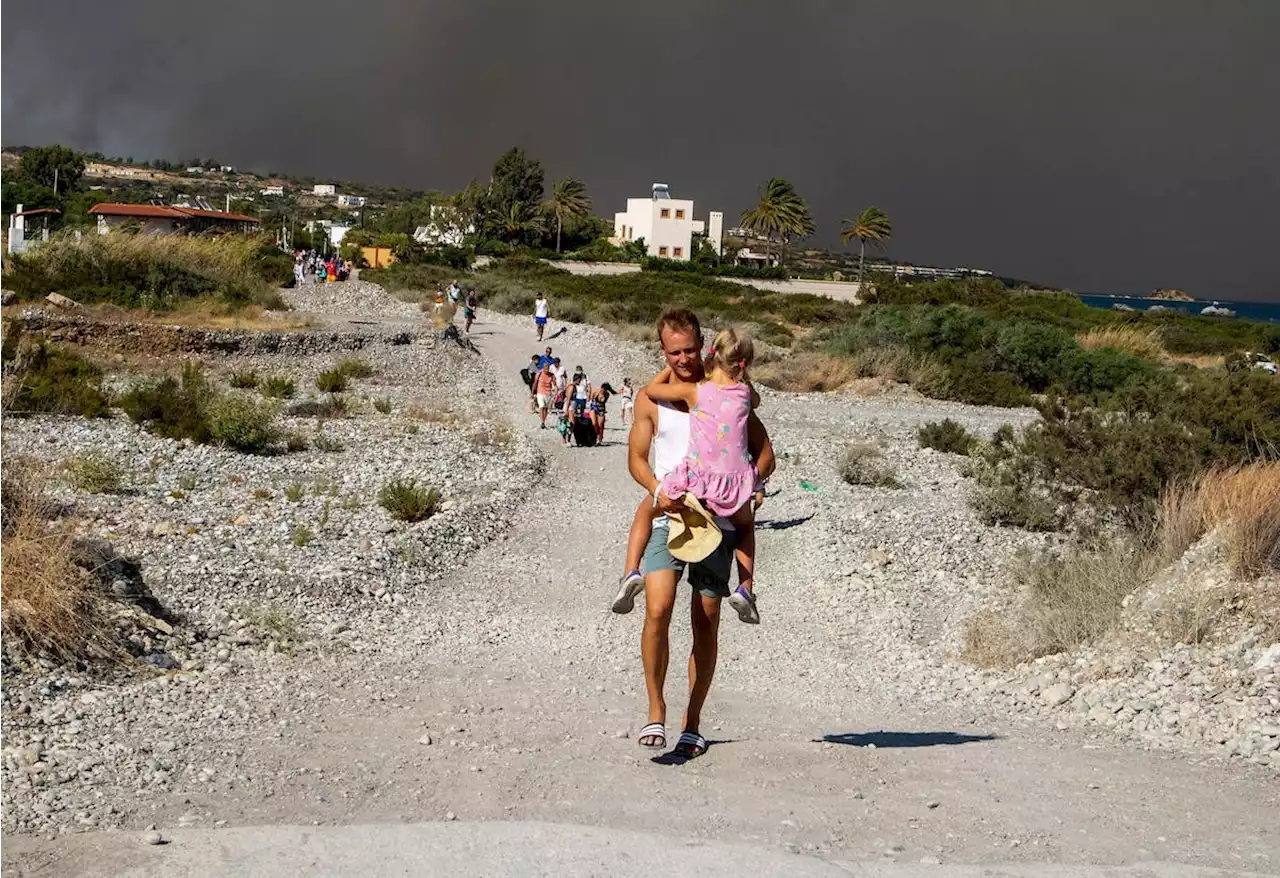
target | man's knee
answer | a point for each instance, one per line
(660, 595)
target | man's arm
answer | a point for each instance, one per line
(760, 447)
(638, 445)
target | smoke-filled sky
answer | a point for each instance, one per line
(1102, 145)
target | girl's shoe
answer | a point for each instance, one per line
(744, 602)
(630, 586)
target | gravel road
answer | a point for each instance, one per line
(841, 728)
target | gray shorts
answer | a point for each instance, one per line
(710, 576)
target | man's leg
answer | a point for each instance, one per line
(655, 645)
(705, 612)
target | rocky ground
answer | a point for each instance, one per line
(413, 677)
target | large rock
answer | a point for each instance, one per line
(1058, 693)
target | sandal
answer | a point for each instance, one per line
(691, 745)
(653, 730)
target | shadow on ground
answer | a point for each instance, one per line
(673, 757)
(904, 739)
(782, 524)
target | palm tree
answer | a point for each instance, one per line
(569, 200)
(780, 211)
(520, 223)
(871, 225)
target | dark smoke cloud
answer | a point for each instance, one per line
(1107, 146)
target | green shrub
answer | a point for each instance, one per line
(41, 378)
(294, 492)
(244, 380)
(946, 436)
(243, 423)
(383, 405)
(405, 500)
(303, 535)
(861, 465)
(354, 367)
(95, 474)
(295, 441)
(329, 444)
(1032, 353)
(331, 381)
(172, 408)
(152, 271)
(278, 387)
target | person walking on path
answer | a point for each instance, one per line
(541, 310)
(664, 430)
(469, 306)
(544, 390)
(628, 395)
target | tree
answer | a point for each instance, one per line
(55, 167)
(515, 179)
(871, 225)
(568, 201)
(520, 223)
(780, 213)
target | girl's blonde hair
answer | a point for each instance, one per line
(733, 352)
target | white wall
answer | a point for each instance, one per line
(643, 219)
(149, 226)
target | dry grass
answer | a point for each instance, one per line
(1059, 603)
(861, 464)
(1244, 500)
(1200, 361)
(439, 318)
(806, 372)
(49, 604)
(640, 333)
(898, 364)
(1145, 343)
(429, 414)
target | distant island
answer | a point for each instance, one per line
(1174, 295)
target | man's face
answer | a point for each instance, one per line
(683, 351)
(548, 352)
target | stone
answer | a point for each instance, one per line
(1058, 693)
(152, 837)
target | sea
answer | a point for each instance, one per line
(1264, 312)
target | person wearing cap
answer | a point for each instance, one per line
(663, 429)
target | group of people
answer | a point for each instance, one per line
(310, 264)
(581, 407)
(455, 298)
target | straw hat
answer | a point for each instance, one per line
(693, 534)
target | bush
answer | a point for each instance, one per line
(243, 423)
(40, 378)
(95, 474)
(946, 436)
(1059, 603)
(244, 380)
(172, 408)
(152, 271)
(405, 500)
(303, 535)
(861, 465)
(278, 387)
(355, 367)
(331, 381)
(382, 405)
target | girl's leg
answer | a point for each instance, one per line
(641, 530)
(745, 521)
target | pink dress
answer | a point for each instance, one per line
(717, 468)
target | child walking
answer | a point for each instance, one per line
(717, 467)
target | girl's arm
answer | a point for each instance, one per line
(659, 390)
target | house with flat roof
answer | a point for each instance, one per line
(665, 224)
(158, 219)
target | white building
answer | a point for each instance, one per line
(324, 189)
(272, 190)
(666, 224)
(351, 201)
(448, 227)
(338, 231)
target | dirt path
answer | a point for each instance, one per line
(530, 693)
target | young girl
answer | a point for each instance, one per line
(717, 468)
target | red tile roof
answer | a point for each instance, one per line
(156, 211)
(37, 211)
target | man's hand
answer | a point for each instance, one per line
(666, 504)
